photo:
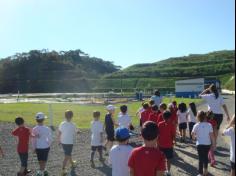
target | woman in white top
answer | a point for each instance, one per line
(203, 132)
(215, 102)
(157, 98)
(230, 131)
(192, 114)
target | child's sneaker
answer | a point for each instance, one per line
(74, 164)
(104, 148)
(27, 172)
(64, 172)
(92, 164)
(168, 173)
(45, 173)
(39, 173)
(213, 164)
(102, 160)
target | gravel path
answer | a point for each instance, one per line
(185, 163)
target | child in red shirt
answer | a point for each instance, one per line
(210, 119)
(155, 114)
(23, 133)
(147, 160)
(163, 107)
(167, 133)
(145, 114)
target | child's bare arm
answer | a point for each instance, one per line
(101, 137)
(114, 122)
(193, 135)
(213, 140)
(226, 112)
(59, 137)
(232, 123)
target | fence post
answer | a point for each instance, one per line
(50, 112)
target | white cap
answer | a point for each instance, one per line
(40, 116)
(111, 108)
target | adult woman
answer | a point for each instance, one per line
(215, 102)
(157, 98)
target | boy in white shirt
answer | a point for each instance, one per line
(41, 142)
(96, 138)
(124, 119)
(119, 154)
(67, 135)
(230, 131)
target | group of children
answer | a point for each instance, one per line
(169, 121)
(159, 126)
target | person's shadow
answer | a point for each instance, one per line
(105, 169)
(73, 173)
(187, 168)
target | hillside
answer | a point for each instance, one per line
(74, 71)
(212, 64)
(44, 71)
(220, 64)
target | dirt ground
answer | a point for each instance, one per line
(184, 164)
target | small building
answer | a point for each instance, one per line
(191, 88)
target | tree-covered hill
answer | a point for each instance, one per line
(212, 64)
(163, 74)
(51, 71)
(74, 71)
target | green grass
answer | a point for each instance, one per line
(82, 113)
(228, 81)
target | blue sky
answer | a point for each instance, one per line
(124, 31)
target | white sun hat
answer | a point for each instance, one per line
(40, 116)
(111, 108)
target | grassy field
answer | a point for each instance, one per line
(82, 113)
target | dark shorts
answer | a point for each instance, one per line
(232, 165)
(96, 148)
(168, 152)
(111, 136)
(183, 126)
(219, 119)
(24, 159)
(42, 154)
(68, 148)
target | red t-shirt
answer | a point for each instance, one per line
(23, 135)
(175, 109)
(174, 118)
(150, 110)
(213, 123)
(154, 116)
(147, 161)
(167, 133)
(160, 118)
(145, 116)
